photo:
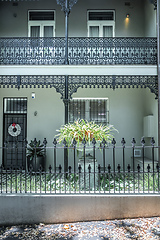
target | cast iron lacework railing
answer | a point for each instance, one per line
(81, 51)
(75, 82)
(97, 169)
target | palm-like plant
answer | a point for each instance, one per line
(35, 149)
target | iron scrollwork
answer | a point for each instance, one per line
(75, 82)
(113, 82)
(70, 4)
(81, 51)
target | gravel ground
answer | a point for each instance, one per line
(140, 228)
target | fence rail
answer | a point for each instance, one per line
(96, 169)
(81, 51)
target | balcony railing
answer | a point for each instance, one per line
(81, 51)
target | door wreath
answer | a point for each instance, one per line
(14, 129)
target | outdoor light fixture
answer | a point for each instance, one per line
(127, 15)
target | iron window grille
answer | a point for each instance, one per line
(15, 105)
(90, 109)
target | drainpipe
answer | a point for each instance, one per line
(158, 71)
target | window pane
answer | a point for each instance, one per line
(76, 110)
(35, 31)
(88, 109)
(101, 16)
(107, 31)
(48, 31)
(98, 111)
(94, 31)
(41, 16)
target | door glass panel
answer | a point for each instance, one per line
(94, 31)
(35, 31)
(48, 31)
(107, 31)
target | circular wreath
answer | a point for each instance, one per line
(14, 129)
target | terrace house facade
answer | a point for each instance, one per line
(109, 74)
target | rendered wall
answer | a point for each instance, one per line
(127, 108)
(50, 113)
(23, 209)
(18, 26)
(150, 19)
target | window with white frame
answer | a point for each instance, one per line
(41, 23)
(101, 23)
(90, 109)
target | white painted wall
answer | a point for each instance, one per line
(150, 19)
(17, 26)
(50, 109)
(127, 108)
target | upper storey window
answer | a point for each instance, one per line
(101, 23)
(41, 23)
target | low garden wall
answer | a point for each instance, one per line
(35, 208)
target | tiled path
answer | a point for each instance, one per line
(140, 228)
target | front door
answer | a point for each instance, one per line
(14, 133)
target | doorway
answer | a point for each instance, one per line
(14, 132)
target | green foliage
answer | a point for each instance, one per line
(81, 129)
(35, 148)
(41, 182)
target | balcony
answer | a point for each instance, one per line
(81, 51)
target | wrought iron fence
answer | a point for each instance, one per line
(81, 51)
(94, 169)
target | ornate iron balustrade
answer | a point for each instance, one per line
(81, 51)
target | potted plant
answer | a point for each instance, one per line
(82, 129)
(35, 155)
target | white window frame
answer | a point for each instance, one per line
(87, 99)
(41, 23)
(101, 23)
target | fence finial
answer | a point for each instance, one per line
(123, 142)
(45, 142)
(64, 142)
(113, 142)
(133, 142)
(74, 142)
(152, 141)
(55, 142)
(94, 142)
(84, 141)
(142, 141)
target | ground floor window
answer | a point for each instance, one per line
(90, 109)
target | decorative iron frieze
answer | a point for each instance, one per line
(57, 82)
(69, 4)
(75, 82)
(81, 51)
(154, 2)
